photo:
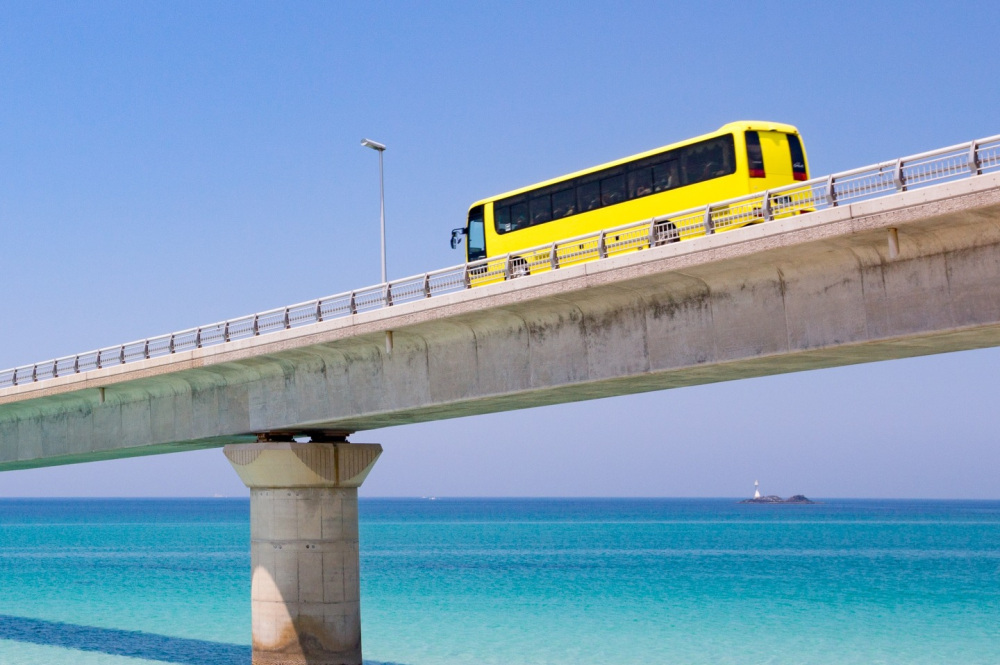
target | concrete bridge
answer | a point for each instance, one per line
(911, 273)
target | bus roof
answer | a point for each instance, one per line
(739, 125)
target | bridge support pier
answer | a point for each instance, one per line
(305, 595)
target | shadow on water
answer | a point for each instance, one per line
(122, 642)
(132, 643)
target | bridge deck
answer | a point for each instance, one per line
(799, 293)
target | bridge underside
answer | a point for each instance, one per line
(802, 293)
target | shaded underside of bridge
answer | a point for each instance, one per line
(802, 293)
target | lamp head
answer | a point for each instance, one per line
(374, 145)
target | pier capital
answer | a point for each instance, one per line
(290, 464)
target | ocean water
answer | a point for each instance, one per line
(476, 581)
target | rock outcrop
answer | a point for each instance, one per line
(798, 498)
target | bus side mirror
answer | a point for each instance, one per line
(456, 237)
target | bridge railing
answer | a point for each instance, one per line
(929, 168)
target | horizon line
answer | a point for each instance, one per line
(510, 498)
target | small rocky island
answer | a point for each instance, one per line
(757, 498)
(798, 498)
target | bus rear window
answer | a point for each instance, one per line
(755, 156)
(798, 158)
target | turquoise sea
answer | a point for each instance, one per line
(492, 581)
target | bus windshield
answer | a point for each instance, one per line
(476, 234)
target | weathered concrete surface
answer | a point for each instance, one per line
(305, 589)
(801, 293)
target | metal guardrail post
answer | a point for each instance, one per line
(197, 339)
(553, 257)
(974, 168)
(55, 369)
(288, 320)
(467, 277)
(765, 207)
(256, 325)
(708, 223)
(602, 246)
(506, 267)
(319, 311)
(830, 193)
(99, 356)
(353, 304)
(427, 285)
(76, 364)
(170, 344)
(388, 294)
(34, 373)
(225, 332)
(145, 350)
(121, 354)
(897, 176)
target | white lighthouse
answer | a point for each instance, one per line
(756, 489)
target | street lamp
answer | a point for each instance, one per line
(374, 145)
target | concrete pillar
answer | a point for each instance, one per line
(305, 595)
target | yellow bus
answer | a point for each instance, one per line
(739, 158)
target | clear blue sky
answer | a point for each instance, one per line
(164, 165)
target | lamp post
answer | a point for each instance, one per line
(374, 145)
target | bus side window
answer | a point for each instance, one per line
(501, 219)
(665, 176)
(698, 164)
(589, 196)
(519, 215)
(640, 183)
(708, 159)
(563, 203)
(613, 190)
(541, 209)
(689, 167)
